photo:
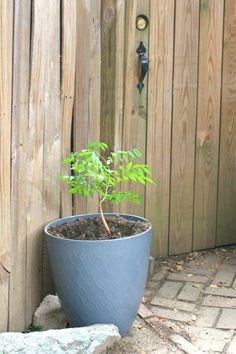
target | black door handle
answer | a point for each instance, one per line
(141, 50)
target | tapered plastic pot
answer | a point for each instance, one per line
(100, 281)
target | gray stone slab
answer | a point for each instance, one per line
(210, 346)
(206, 316)
(169, 289)
(209, 333)
(227, 319)
(220, 291)
(173, 304)
(190, 292)
(92, 339)
(172, 315)
(209, 340)
(188, 277)
(219, 301)
(232, 346)
(223, 278)
(199, 271)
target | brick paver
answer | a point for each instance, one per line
(190, 292)
(219, 301)
(199, 271)
(172, 314)
(227, 319)
(188, 277)
(169, 289)
(220, 291)
(206, 316)
(201, 298)
(232, 346)
(173, 304)
(209, 340)
(223, 278)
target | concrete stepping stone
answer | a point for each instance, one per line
(220, 291)
(169, 289)
(172, 314)
(190, 292)
(188, 277)
(227, 319)
(173, 304)
(219, 301)
(206, 316)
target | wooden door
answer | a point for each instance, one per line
(184, 119)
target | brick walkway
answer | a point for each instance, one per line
(198, 295)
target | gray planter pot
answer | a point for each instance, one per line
(100, 281)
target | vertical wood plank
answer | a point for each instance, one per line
(86, 124)
(135, 104)
(42, 117)
(119, 73)
(52, 134)
(112, 49)
(6, 36)
(159, 121)
(35, 157)
(108, 71)
(68, 51)
(226, 232)
(208, 117)
(20, 103)
(184, 122)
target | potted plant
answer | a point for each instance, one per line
(100, 261)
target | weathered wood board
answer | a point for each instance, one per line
(208, 124)
(184, 125)
(6, 39)
(19, 146)
(226, 221)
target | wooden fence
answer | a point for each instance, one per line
(68, 72)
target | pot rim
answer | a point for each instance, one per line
(95, 215)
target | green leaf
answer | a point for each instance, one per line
(91, 171)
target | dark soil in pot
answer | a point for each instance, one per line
(93, 228)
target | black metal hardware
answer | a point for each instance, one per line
(141, 50)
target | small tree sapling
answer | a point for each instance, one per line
(93, 172)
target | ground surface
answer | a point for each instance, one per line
(193, 295)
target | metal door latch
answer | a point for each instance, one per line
(141, 50)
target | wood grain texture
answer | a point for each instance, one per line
(6, 38)
(119, 73)
(108, 71)
(226, 225)
(86, 124)
(44, 148)
(208, 120)
(184, 125)
(20, 102)
(52, 133)
(112, 76)
(135, 104)
(159, 121)
(68, 50)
